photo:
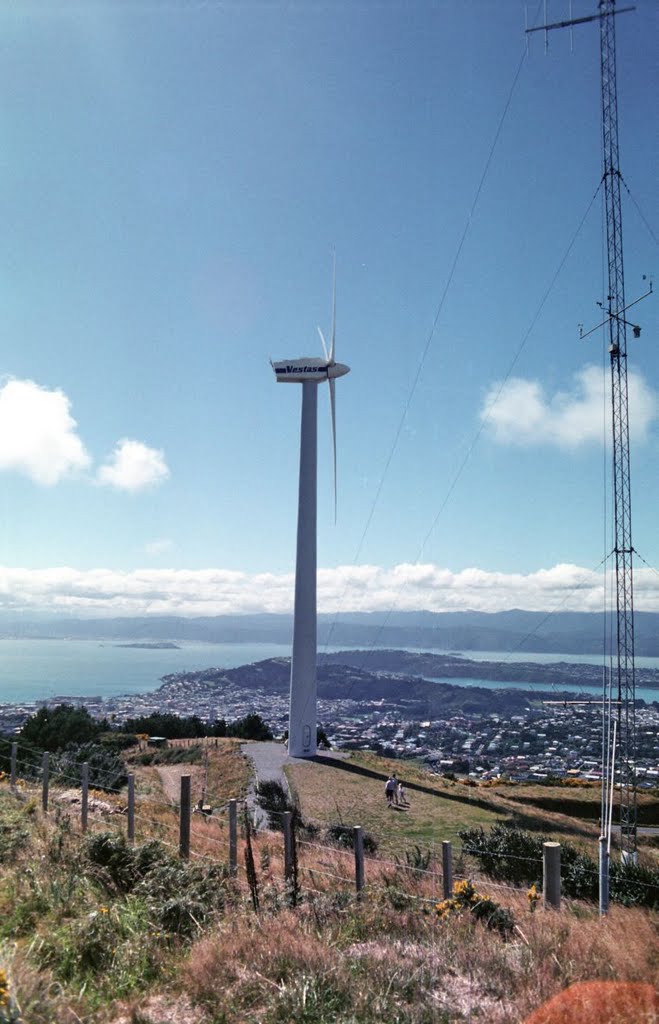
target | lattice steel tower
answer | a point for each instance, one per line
(616, 326)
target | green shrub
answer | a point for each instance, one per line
(180, 896)
(170, 755)
(512, 855)
(344, 836)
(106, 768)
(273, 798)
(480, 906)
(54, 728)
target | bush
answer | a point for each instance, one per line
(106, 768)
(344, 836)
(273, 798)
(509, 854)
(54, 728)
(173, 727)
(483, 908)
(251, 727)
(118, 740)
(170, 755)
(180, 896)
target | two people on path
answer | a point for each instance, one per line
(394, 791)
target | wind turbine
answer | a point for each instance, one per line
(309, 372)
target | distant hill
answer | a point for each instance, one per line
(504, 632)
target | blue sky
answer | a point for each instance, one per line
(174, 178)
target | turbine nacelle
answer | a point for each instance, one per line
(311, 368)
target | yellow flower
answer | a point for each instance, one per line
(4, 989)
(102, 910)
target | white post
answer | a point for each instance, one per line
(551, 876)
(302, 715)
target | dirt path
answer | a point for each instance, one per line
(170, 780)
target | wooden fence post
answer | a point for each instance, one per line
(184, 824)
(233, 838)
(358, 841)
(84, 802)
(131, 808)
(447, 868)
(45, 764)
(14, 755)
(604, 877)
(551, 875)
(288, 845)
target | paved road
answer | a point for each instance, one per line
(269, 759)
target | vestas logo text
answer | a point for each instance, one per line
(301, 369)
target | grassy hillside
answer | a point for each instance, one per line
(94, 930)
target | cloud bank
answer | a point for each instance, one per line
(520, 412)
(104, 592)
(39, 438)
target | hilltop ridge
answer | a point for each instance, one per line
(514, 630)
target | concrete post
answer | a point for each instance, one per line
(551, 875)
(184, 822)
(14, 756)
(359, 858)
(604, 877)
(131, 808)
(45, 766)
(447, 868)
(233, 838)
(84, 802)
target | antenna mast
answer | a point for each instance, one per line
(617, 336)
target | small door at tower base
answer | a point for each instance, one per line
(306, 738)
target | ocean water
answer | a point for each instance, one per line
(41, 669)
(33, 670)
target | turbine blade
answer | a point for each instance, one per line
(322, 338)
(331, 355)
(332, 391)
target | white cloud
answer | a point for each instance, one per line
(133, 466)
(519, 412)
(38, 434)
(372, 588)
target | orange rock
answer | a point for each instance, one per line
(600, 1002)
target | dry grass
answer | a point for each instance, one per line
(332, 959)
(376, 963)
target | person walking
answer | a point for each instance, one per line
(390, 790)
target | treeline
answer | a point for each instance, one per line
(176, 727)
(72, 737)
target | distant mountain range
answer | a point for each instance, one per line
(511, 631)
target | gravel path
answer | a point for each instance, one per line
(268, 759)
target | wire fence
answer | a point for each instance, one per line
(288, 853)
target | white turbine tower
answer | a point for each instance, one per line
(309, 372)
